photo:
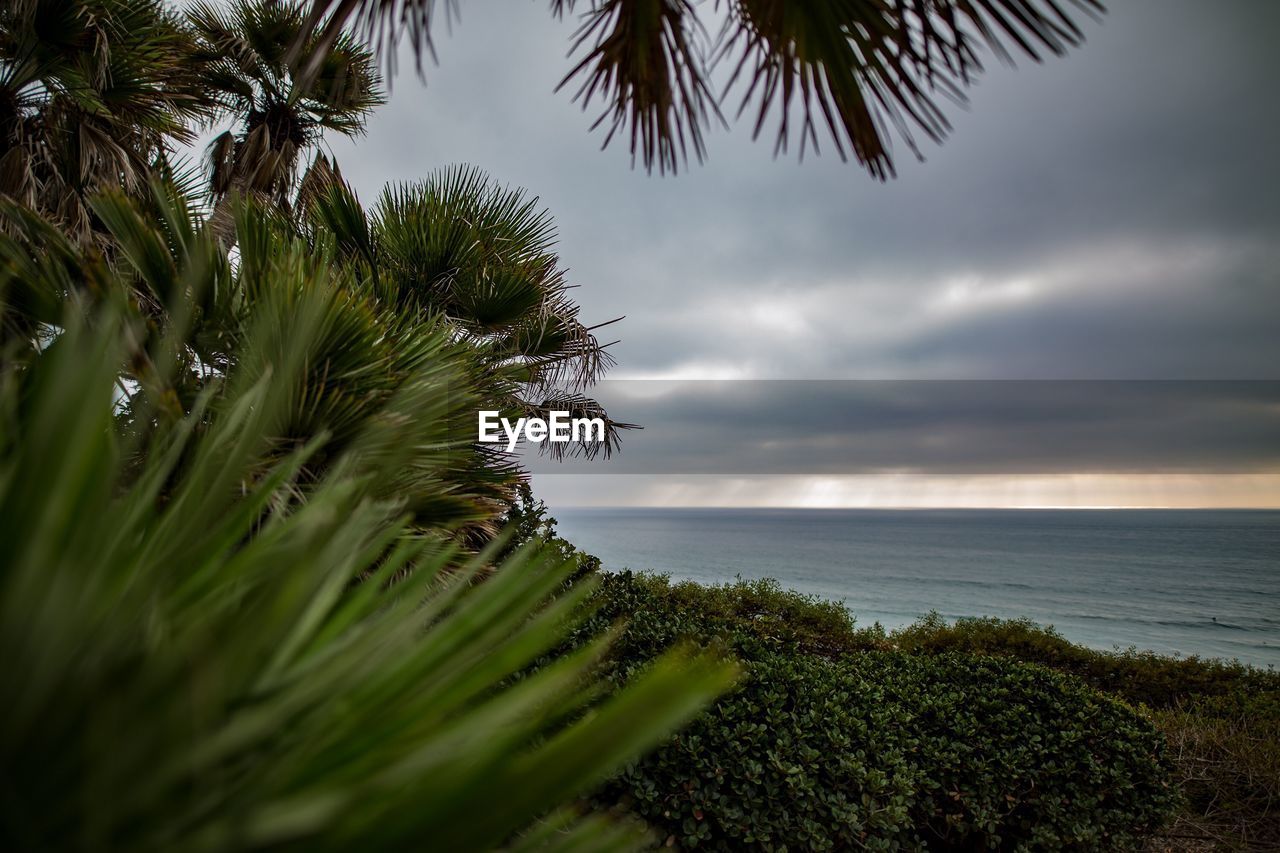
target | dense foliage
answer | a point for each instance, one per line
(1140, 677)
(209, 643)
(1221, 718)
(253, 592)
(828, 745)
(252, 587)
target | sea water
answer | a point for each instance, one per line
(1187, 582)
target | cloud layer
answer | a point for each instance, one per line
(1112, 215)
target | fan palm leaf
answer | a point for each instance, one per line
(483, 256)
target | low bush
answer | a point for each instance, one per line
(757, 616)
(830, 743)
(808, 755)
(1013, 756)
(1139, 677)
(1221, 719)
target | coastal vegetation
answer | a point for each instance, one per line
(1012, 736)
(826, 746)
(206, 650)
(254, 590)
(1221, 719)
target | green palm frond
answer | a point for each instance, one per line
(40, 270)
(200, 306)
(480, 253)
(859, 72)
(195, 660)
(555, 348)
(337, 215)
(483, 256)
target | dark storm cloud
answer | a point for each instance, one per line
(731, 428)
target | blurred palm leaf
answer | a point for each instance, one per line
(193, 659)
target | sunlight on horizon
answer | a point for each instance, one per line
(907, 491)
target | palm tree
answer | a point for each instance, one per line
(866, 70)
(92, 94)
(248, 61)
(460, 247)
(452, 270)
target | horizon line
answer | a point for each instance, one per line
(1118, 508)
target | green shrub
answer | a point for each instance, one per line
(1016, 756)
(1139, 677)
(808, 755)
(1221, 719)
(875, 749)
(757, 615)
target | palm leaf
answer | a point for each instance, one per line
(194, 664)
(863, 71)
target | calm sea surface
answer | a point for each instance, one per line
(1188, 582)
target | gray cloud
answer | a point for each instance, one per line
(1113, 215)
(837, 428)
(1108, 215)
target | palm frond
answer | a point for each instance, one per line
(383, 23)
(94, 92)
(867, 70)
(483, 256)
(338, 215)
(858, 72)
(646, 59)
(194, 660)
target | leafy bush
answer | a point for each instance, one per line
(807, 755)
(528, 521)
(758, 615)
(1221, 718)
(1139, 677)
(1013, 755)
(827, 747)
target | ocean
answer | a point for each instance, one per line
(1186, 582)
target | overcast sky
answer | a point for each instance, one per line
(1111, 215)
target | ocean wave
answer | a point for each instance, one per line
(1166, 622)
